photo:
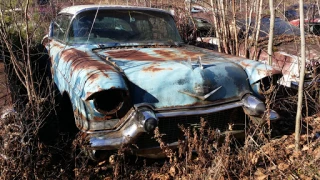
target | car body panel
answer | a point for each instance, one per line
(156, 82)
(148, 70)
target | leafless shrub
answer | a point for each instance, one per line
(28, 146)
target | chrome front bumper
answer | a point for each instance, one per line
(135, 125)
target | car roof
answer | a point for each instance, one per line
(80, 8)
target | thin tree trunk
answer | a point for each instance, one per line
(224, 27)
(270, 43)
(255, 54)
(318, 7)
(216, 25)
(301, 78)
(284, 8)
(29, 78)
(235, 28)
(248, 27)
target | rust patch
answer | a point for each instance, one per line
(95, 76)
(165, 53)
(102, 118)
(264, 72)
(154, 69)
(81, 60)
(72, 54)
(155, 55)
(186, 54)
(133, 55)
(244, 64)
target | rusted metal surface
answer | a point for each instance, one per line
(162, 78)
(286, 58)
(153, 68)
(153, 54)
(221, 70)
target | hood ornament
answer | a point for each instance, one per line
(204, 97)
(199, 62)
(194, 65)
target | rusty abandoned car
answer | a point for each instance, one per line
(126, 71)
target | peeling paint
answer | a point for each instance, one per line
(109, 85)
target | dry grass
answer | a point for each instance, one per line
(201, 156)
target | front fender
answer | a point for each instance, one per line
(99, 81)
(260, 75)
(257, 70)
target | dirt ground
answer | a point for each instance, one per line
(4, 91)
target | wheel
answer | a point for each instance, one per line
(66, 118)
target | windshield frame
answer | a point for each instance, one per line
(167, 18)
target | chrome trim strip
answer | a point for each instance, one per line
(200, 106)
(130, 117)
(199, 111)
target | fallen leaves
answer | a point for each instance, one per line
(283, 166)
(259, 175)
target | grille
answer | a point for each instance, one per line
(169, 126)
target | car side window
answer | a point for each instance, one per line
(60, 27)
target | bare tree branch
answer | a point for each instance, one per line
(271, 31)
(301, 78)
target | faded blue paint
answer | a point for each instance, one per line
(256, 70)
(162, 74)
(81, 82)
(161, 83)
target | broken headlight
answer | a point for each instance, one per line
(109, 101)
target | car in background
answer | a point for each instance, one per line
(200, 30)
(286, 51)
(311, 15)
(126, 71)
(281, 27)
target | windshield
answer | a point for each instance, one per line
(123, 26)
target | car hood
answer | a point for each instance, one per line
(178, 77)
